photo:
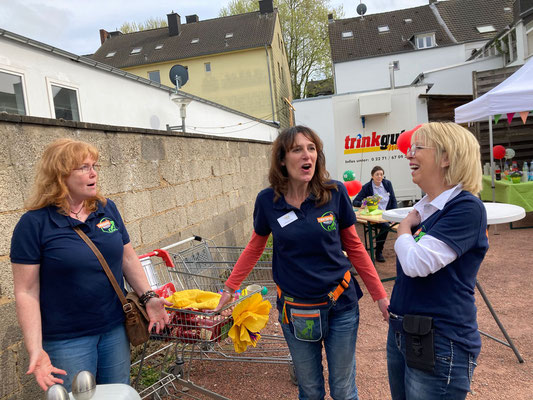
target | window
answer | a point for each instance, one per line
(110, 54)
(347, 34)
(207, 67)
(229, 35)
(11, 94)
(65, 103)
(136, 50)
(154, 76)
(159, 47)
(485, 29)
(195, 40)
(407, 20)
(383, 29)
(529, 38)
(425, 41)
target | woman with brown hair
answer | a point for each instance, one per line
(311, 220)
(70, 315)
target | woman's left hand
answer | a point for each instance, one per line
(155, 307)
(383, 305)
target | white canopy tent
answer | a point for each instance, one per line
(515, 94)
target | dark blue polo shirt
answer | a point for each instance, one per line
(76, 297)
(448, 294)
(308, 261)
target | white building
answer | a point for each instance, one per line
(42, 81)
(380, 50)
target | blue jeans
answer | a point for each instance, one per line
(449, 381)
(339, 334)
(106, 356)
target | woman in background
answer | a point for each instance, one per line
(382, 187)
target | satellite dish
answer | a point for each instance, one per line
(179, 75)
(361, 9)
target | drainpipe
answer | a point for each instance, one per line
(270, 84)
(391, 73)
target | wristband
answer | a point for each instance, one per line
(147, 296)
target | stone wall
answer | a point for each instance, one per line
(167, 187)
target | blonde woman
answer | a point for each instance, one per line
(433, 341)
(71, 318)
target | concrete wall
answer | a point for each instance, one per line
(167, 187)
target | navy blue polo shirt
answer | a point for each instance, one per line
(308, 261)
(76, 298)
(448, 294)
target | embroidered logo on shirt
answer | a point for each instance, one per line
(419, 234)
(327, 221)
(107, 225)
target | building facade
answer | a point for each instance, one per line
(238, 61)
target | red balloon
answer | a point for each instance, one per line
(404, 140)
(353, 187)
(498, 152)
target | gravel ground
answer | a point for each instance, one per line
(506, 276)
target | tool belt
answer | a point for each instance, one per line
(326, 303)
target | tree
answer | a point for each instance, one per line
(304, 24)
(150, 23)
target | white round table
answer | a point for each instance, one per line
(497, 213)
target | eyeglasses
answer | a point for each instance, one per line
(411, 151)
(85, 169)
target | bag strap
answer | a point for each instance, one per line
(125, 305)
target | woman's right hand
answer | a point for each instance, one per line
(42, 368)
(225, 298)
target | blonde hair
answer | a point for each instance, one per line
(461, 148)
(58, 161)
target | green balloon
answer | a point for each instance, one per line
(348, 176)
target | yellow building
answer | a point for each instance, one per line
(238, 61)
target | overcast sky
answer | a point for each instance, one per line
(74, 25)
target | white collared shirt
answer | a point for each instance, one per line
(383, 193)
(429, 254)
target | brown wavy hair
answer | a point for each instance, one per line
(320, 185)
(58, 161)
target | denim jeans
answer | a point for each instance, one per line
(106, 356)
(339, 334)
(449, 381)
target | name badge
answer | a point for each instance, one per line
(287, 219)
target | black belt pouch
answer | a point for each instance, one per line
(419, 346)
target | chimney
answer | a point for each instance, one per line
(192, 18)
(103, 35)
(266, 6)
(432, 1)
(330, 18)
(174, 24)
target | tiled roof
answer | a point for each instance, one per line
(463, 16)
(249, 30)
(452, 21)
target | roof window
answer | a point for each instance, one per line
(195, 40)
(347, 34)
(507, 9)
(485, 29)
(383, 28)
(159, 47)
(110, 54)
(407, 20)
(136, 50)
(229, 35)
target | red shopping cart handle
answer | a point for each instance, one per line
(159, 253)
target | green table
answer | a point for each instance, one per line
(520, 194)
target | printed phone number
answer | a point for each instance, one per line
(384, 158)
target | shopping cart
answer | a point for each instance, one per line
(196, 263)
